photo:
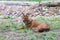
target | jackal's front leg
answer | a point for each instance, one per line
(35, 29)
(21, 27)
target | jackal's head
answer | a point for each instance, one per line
(25, 17)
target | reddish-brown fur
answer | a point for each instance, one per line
(35, 25)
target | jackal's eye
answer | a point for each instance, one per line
(23, 20)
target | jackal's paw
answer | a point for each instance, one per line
(21, 27)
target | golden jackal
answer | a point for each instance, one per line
(35, 25)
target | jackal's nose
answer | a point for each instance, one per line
(23, 20)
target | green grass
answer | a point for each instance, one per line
(7, 25)
(7, 17)
(21, 0)
(35, 0)
(54, 22)
(2, 37)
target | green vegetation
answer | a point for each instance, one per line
(35, 0)
(24, 0)
(2, 37)
(7, 17)
(0, 14)
(54, 22)
(7, 25)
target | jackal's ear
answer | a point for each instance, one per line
(27, 15)
(23, 14)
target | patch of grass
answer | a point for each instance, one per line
(20, 25)
(21, 39)
(7, 17)
(26, 30)
(2, 37)
(7, 25)
(49, 35)
(3, 24)
(12, 25)
(48, 38)
(54, 22)
(35, 0)
(0, 14)
(31, 38)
